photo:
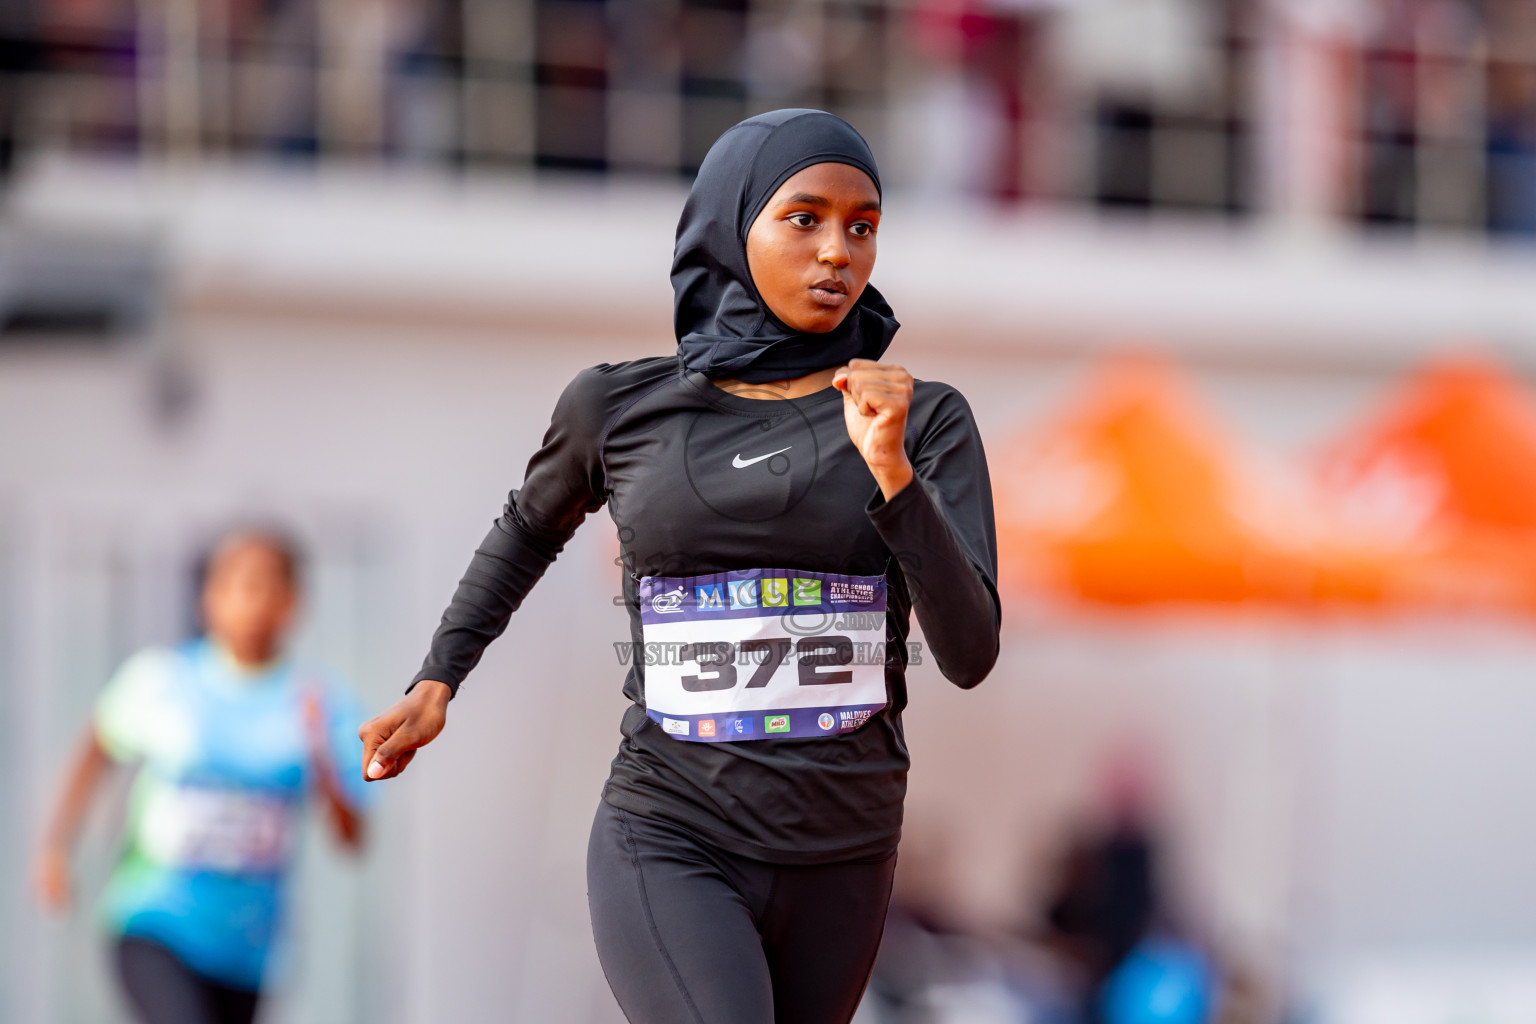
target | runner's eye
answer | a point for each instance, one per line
(801, 220)
(862, 229)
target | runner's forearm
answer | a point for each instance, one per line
(562, 485)
(503, 570)
(344, 817)
(952, 599)
(86, 768)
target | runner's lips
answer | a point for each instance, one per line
(830, 292)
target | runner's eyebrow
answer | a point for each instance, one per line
(809, 199)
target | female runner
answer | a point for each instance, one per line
(784, 502)
(231, 736)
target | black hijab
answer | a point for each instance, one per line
(724, 329)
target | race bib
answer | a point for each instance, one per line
(763, 653)
(215, 829)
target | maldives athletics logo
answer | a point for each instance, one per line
(826, 721)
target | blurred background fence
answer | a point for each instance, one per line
(1268, 637)
(1382, 112)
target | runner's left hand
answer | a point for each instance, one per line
(876, 397)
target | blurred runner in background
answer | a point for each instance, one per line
(231, 736)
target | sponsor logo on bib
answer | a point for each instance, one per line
(669, 603)
(776, 723)
(707, 727)
(738, 726)
(743, 593)
(851, 593)
(711, 597)
(776, 593)
(826, 721)
(807, 591)
(854, 719)
(675, 726)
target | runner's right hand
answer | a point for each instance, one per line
(391, 740)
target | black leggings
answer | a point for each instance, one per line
(163, 990)
(690, 934)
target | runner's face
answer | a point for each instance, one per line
(812, 249)
(249, 600)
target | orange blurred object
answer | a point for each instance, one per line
(1133, 497)
(1434, 499)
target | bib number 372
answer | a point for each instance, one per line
(815, 658)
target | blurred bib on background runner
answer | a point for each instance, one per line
(762, 653)
(212, 828)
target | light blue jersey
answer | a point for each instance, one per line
(214, 814)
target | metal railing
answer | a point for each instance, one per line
(1424, 114)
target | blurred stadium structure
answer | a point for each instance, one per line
(1268, 632)
(1407, 112)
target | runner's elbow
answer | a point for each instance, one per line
(968, 671)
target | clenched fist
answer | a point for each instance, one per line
(876, 397)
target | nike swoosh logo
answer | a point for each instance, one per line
(741, 463)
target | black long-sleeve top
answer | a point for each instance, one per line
(676, 461)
